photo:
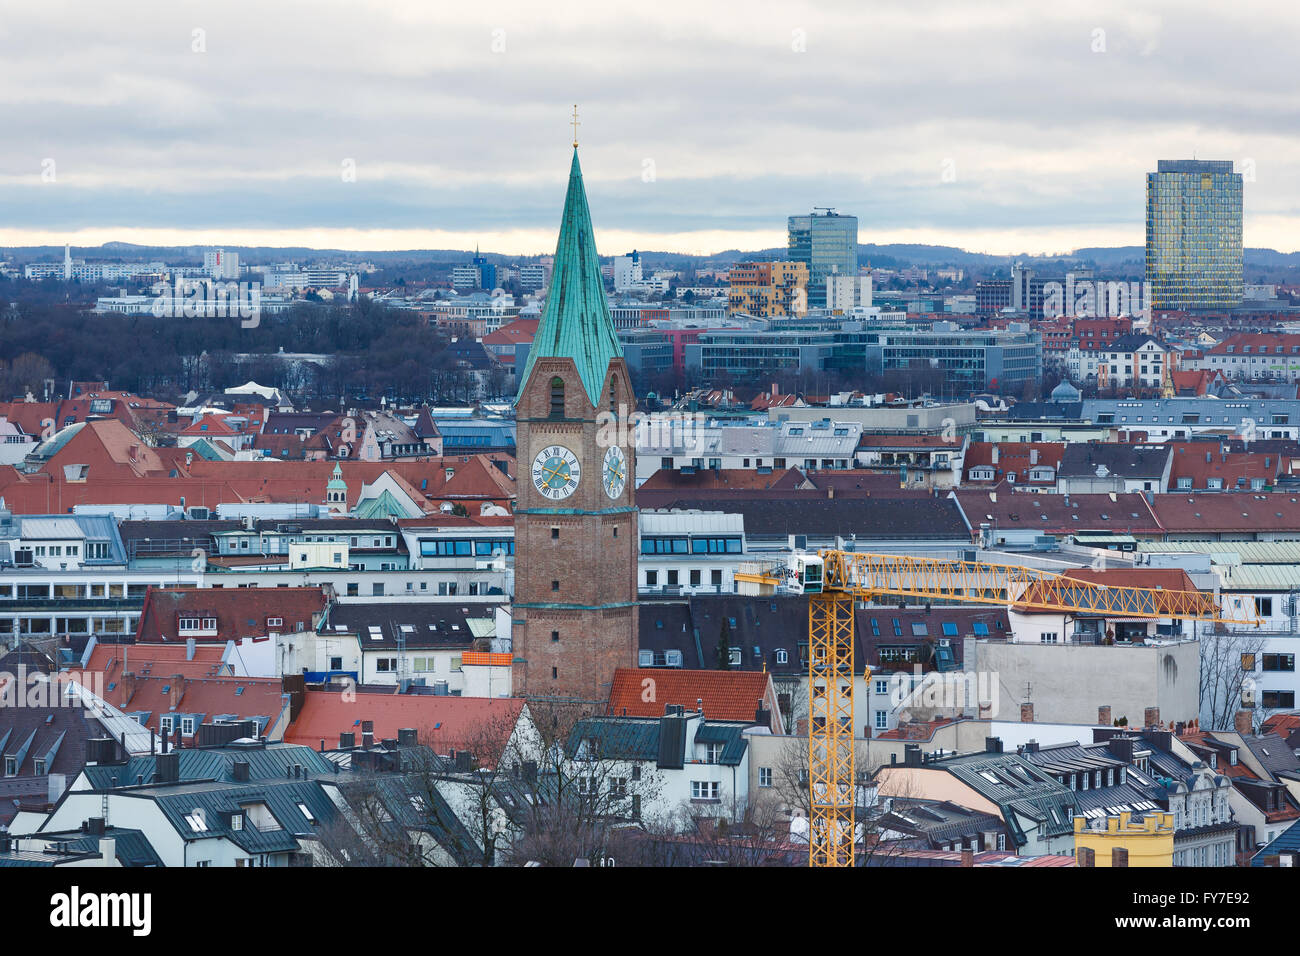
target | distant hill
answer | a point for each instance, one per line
(886, 256)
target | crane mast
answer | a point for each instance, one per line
(845, 577)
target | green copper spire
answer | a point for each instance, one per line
(576, 322)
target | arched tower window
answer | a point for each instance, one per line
(557, 397)
(613, 399)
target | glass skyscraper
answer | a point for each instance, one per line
(1194, 235)
(827, 243)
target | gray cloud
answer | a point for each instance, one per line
(456, 115)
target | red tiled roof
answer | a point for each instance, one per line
(173, 693)
(1189, 461)
(210, 483)
(1282, 724)
(519, 331)
(240, 612)
(1025, 510)
(1013, 458)
(1260, 343)
(1253, 511)
(705, 478)
(444, 723)
(112, 660)
(727, 695)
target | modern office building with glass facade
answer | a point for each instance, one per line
(828, 244)
(973, 359)
(1194, 246)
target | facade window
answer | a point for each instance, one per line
(704, 790)
(765, 776)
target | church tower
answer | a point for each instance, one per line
(336, 491)
(575, 515)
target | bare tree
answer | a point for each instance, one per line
(1225, 675)
(585, 794)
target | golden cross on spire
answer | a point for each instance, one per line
(575, 125)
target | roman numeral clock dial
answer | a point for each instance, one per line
(614, 476)
(556, 472)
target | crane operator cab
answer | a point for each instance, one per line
(804, 574)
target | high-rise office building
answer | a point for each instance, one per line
(220, 264)
(627, 272)
(487, 272)
(827, 243)
(1194, 250)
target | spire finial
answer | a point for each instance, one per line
(575, 125)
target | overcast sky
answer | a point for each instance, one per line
(1000, 127)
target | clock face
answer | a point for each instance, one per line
(614, 475)
(556, 472)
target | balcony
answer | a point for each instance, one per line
(10, 605)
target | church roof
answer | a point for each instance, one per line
(576, 322)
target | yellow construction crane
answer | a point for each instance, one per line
(835, 580)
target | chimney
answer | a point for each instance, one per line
(240, 771)
(967, 858)
(1242, 723)
(699, 706)
(347, 741)
(993, 745)
(1121, 748)
(367, 737)
(1086, 856)
(95, 826)
(1103, 715)
(1027, 713)
(1118, 856)
(1151, 718)
(912, 755)
(407, 737)
(126, 685)
(107, 852)
(176, 692)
